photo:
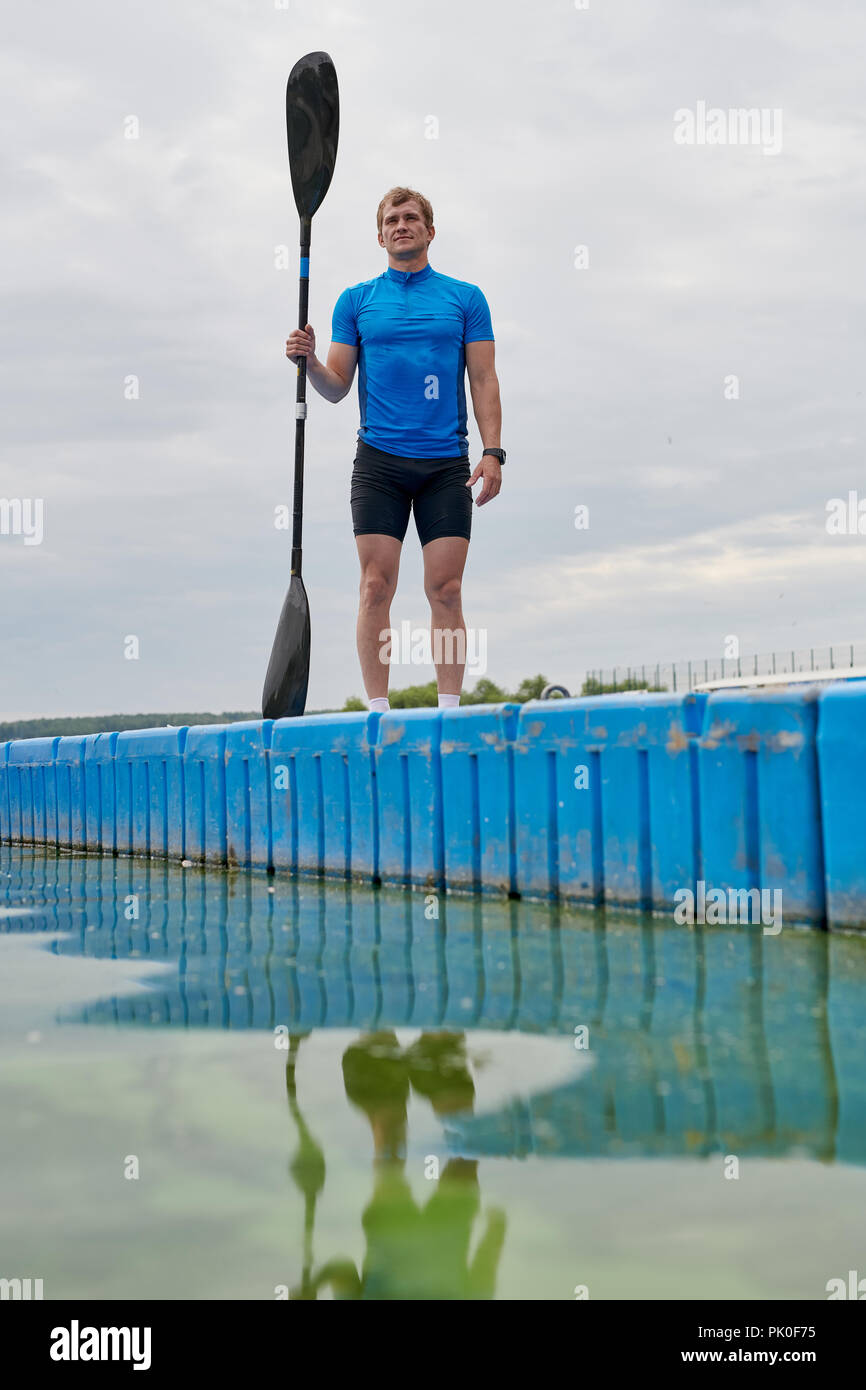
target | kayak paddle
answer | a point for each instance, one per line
(312, 127)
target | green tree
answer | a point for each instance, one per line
(530, 689)
(415, 696)
(485, 693)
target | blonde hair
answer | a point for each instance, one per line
(403, 195)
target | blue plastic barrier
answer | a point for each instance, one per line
(624, 799)
(605, 795)
(672, 733)
(557, 827)
(5, 807)
(323, 795)
(71, 799)
(649, 798)
(248, 806)
(149, 792)
(204, 778)
(478, 797)
(842, 753)
(99, 794)
(760, 805)
(31, 782)
(409, 798)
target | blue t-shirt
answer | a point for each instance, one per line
(410, 327)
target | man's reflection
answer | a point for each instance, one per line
(414, 1250)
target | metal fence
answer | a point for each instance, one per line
(685, 675)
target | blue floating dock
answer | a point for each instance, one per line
(622, 799)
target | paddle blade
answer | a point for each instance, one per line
(312, 127)
(285, 692)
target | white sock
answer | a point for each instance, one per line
(380, 705)
(449, 701)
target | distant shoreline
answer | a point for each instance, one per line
(117, 723)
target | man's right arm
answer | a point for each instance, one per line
(333, 379)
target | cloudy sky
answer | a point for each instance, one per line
(698, 384)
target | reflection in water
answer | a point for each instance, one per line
(702, 1037)
(703, 1040)
(414, 1250)
(307, 1170)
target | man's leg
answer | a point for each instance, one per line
(444, 560)
(380, 565)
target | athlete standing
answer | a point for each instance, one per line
(413, 333)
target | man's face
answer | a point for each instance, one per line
(404, 232)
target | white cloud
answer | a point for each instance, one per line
(155, 257)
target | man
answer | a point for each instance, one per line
(413, 333)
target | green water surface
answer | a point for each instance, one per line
(228, 1086)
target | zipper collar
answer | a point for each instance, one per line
(406, 277)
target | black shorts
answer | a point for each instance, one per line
(386, 487)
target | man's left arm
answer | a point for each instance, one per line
(484, 388)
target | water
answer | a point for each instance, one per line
(213, 1090)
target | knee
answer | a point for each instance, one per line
(446, 592)
(377, 588)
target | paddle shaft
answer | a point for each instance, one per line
(312, 129)
(301, 399)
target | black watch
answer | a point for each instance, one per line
(499, 453)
